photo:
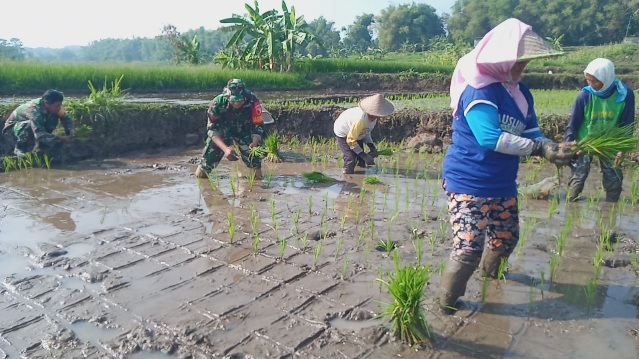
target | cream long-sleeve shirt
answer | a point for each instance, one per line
(354, 125)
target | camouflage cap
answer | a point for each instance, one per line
(236, 89)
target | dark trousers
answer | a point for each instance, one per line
(612, 177)
(350, 157)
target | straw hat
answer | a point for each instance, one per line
(377, 105)
(533, 46)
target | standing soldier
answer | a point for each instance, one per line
(32, 125)
(234, 117)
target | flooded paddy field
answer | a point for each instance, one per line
(133, 257)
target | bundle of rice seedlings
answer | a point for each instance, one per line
(317, 177)
(372, 179)
(385, 152)
(605, 142)
(406, 312)
(82, 133)
(272, 144)
(258, 151)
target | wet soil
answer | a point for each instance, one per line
(133, 257)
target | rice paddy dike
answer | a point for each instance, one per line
(136, 123)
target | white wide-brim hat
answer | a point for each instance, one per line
(533, 46)
(376, 105)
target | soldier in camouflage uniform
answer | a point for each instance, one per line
(234, 117)
(32, 125)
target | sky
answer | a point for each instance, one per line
(60, 23)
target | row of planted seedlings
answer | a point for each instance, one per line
(29, 160)
(562, 224)
(397, 211)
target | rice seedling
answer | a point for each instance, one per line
(256, 243)
(484, 289)
(441, 267)
(554, 204)
(634, 260)
(272, 144)
(503, 267)
(8, 163)
(634, 190)
(362, 196)
(233, 185)
(339, 245)
(385, 152)
(345, 265)
(296, 220)
(317, 177)
(531, 296)
(419, 247)
(406, 286)
(360, 237)
(268, 177)
(254, 219)
(542, 282)
(231, 224)
(590, 289)
(317, 254)
(82, 133)
(37, 160)
(432, 240)
(282, 248)
(303, 241)
(372, 180)
(554, 264)
(342, 223)
(251, 180)
(386, 245)
(597, 260)
(371, 228)
(606, 141)
(309, 200)
(28, 160)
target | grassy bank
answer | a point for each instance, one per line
(26, 78)
(413, 72)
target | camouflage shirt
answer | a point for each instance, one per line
(40, 121)
(231, 122)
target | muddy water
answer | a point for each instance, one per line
(135, 258)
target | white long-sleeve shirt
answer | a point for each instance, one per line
(354, 125)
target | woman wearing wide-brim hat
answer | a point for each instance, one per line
(494, 123)
(353, 129)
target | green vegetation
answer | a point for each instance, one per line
(372, 179)
(28, 77)
(605, 142)
(317, 177)
(406, 313)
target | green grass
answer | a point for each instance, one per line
(32, 77)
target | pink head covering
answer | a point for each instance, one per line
(491, 61)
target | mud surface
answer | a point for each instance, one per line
(134, 258)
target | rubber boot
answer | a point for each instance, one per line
(490, 262)
(349, 168)
(453, 285)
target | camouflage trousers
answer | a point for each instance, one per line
(477, 219)
(48, 144)
(212, 154)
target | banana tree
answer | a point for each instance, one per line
(263, 31)
(296, 32)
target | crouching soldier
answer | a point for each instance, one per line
(32, 125)
(234, 118)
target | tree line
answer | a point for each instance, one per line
(274, 38)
